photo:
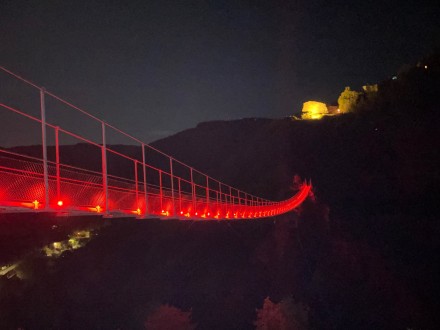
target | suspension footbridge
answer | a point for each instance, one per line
(74, 167)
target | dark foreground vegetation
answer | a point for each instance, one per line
(362, 254)
(219, 271)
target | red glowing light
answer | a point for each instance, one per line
(60, 203)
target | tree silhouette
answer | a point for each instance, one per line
(347, 100)
(286, 315)
(168, 317)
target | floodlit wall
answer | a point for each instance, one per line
(314, 110)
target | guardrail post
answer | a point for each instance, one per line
(193, 191)
(144, 168)
(180, 196)
(57, 160)
(207, 193)
(160, 191)
(104, 168)
(136, 182)
(44, 146)
(216, 202)
(219, 201)
(172, 186)
(231, 201)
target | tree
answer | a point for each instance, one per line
(347, 100)
(297, 183)
(168, 317)
(286, 315)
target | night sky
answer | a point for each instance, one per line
(153, 68)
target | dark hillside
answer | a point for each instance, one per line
(250, 154)
(358, 166)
